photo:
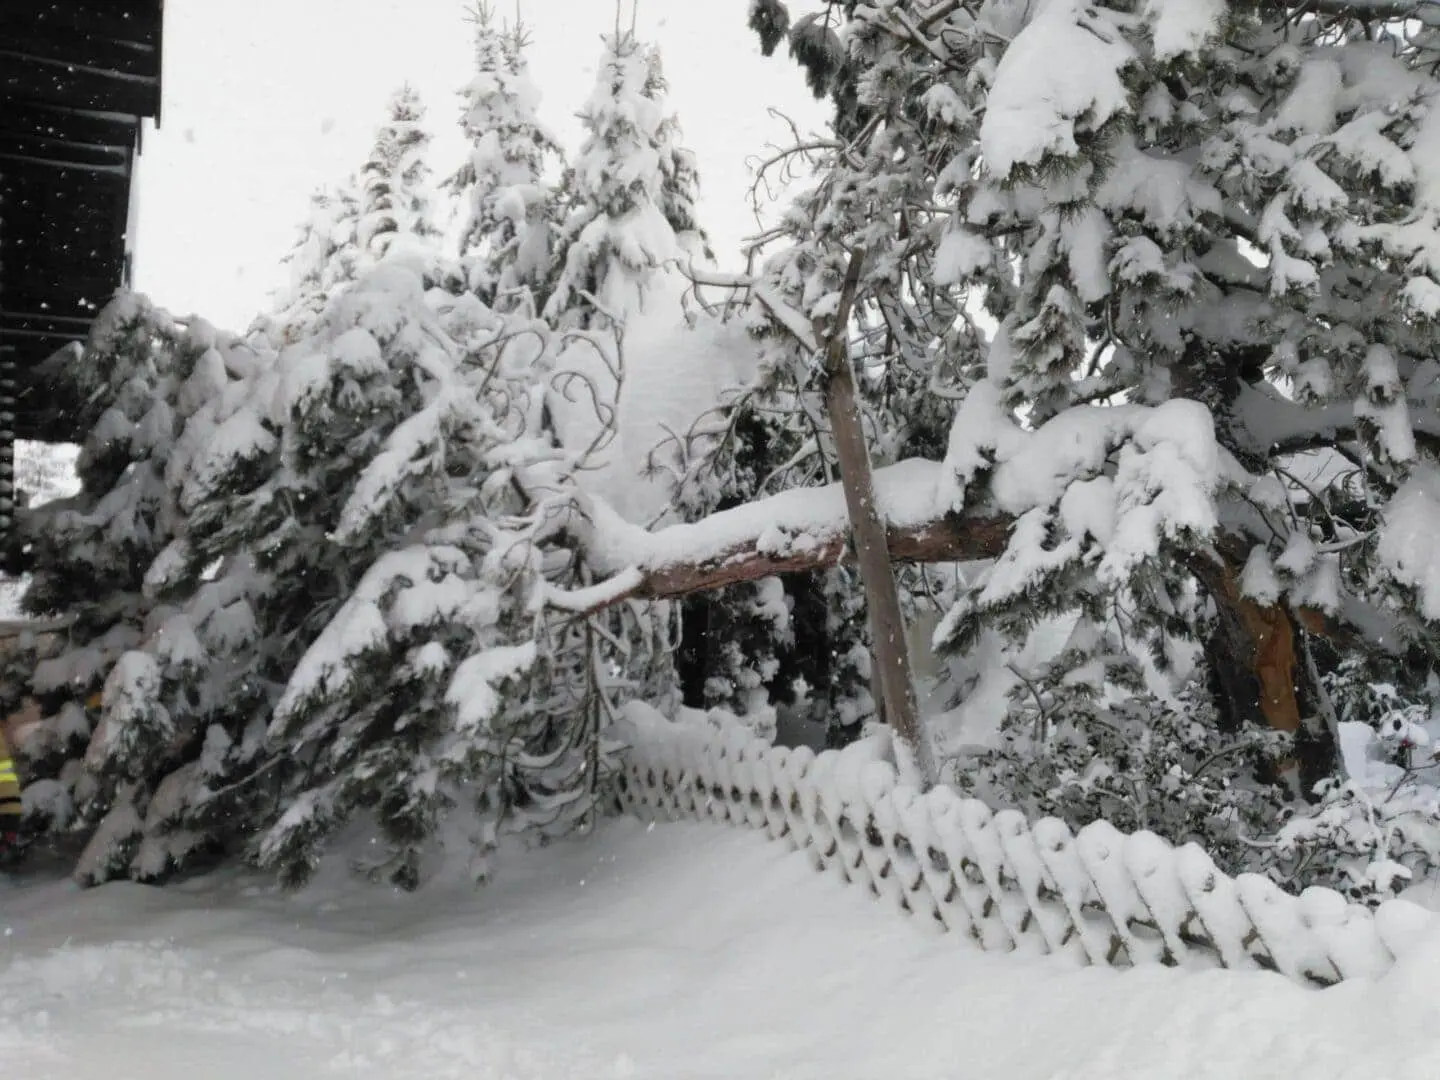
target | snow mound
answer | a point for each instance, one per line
(996, 879)
(648, 953)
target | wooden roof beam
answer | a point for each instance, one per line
(44, 322)
(68, 299)
(28, 142)
(84, 50)
(21, 122)
(39, 79)
(74, 162)
(61, 335)
(136, 22)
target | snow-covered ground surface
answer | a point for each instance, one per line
(672, 952)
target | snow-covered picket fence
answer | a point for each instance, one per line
(1098, 896)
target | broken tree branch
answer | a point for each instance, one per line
(807, 529)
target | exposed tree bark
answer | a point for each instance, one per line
(1264, 634)
(900, 708)
(1255, 655)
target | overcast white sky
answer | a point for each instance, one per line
(267, 100)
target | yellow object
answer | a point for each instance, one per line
(95, 700)
(10, 806)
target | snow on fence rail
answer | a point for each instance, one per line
(1098, 896)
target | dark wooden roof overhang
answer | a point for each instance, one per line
(77, 77)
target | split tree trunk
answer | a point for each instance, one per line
(1257, 657)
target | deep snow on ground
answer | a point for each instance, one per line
(673, 951)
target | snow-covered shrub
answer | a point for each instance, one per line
(1375, 691)
(1086, 740)
(800, 640)
(1369, 844)
(1377, 830)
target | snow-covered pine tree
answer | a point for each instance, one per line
(143, 374)
(386, 503)
(403, 437)
(628, 202)
(209, 668)
(628, 196)
(1266, 234)
(629, 221)
(397, 460)
(507, 203)
(350, 227)
(913, 140)
(197, 682)
(1282, 284)
(913, 347)
(680, 184)
(323, 260)
(437, 678)
(395, 194)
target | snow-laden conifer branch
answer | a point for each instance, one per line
(1275, 426)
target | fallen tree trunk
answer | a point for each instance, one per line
(955, 539)
(798, 531)
(791, 532)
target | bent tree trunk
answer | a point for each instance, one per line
(898, 701)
